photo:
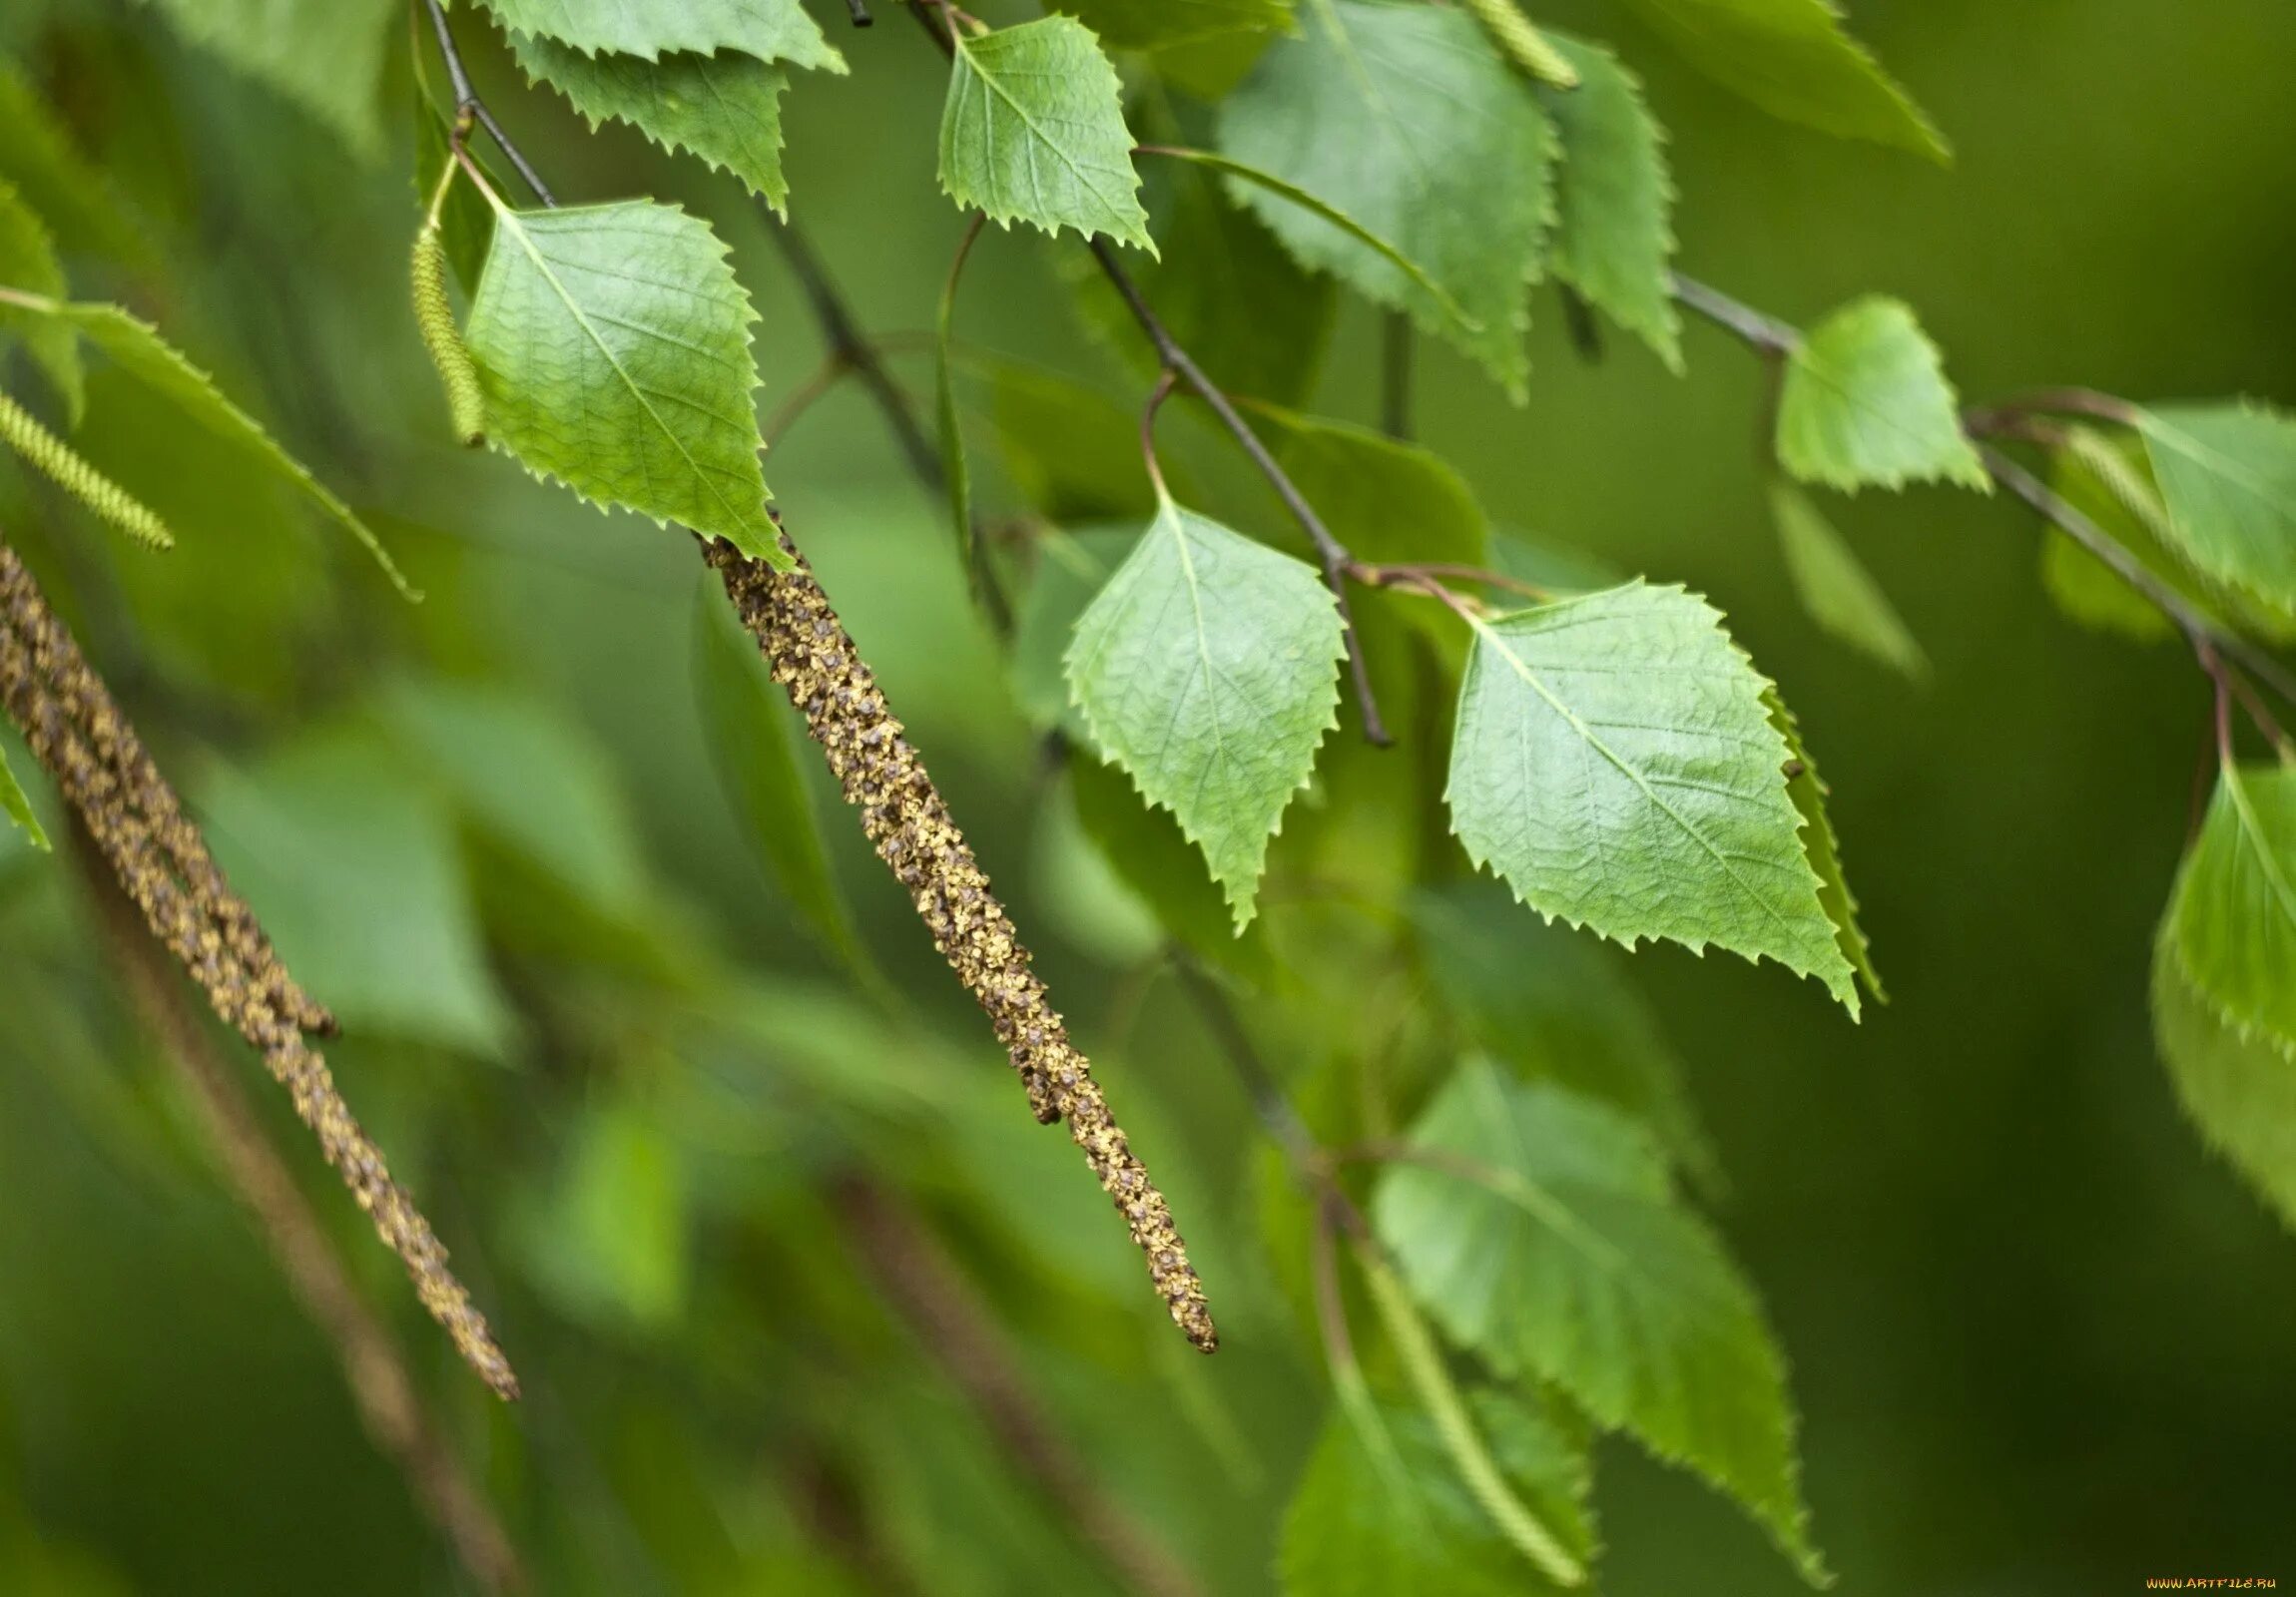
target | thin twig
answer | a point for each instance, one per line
(1763, 332)
(1333, 554)
(1415, 573)
(1162, 392)
(388, 1402)
(913, 1271)
(467, 103)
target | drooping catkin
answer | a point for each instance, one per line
(449, 355)
(57, 460)
(904, 817)
(1530, 48)
(100, 766)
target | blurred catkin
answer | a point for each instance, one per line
(904, 817)
(1530, 50)
(57, 460)
(434, 314)
(77, 733)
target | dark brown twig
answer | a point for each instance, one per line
(388, 1402)
(468, 105)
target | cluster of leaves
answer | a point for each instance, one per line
(1536, 1271)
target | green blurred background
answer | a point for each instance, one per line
(2039, 1338)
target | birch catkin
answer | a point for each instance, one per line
(434, 314)
(904, 817)
(138, 824)
(58, 461)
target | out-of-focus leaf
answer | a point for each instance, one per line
(28, 261)
(1614, 199)
(1837, 589)
(1073, 452)
(748, 722)
(70, 192)
(1866, 401)
(1793, 59)
(771, 30)
(2234, 917)
(1615, 762)
(1148, 852)
(325, 56)
(1202, 47)
(2228, 472)
(614, 344)
(1034, 131)
(1557, 1252)
(352, 867)
(1554, 1005)
(611, 1245)
(1406, 118)
(725, 108)
(1357, 1526)
(1809, 792)
(18, 809)
(1070, 568)
(2240, 1089)
(1384, 499)
(1207, 668)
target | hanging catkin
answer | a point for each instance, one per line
(57, 460)
(434, 314)
(75, 731)
(1531, 50)
(818, 666)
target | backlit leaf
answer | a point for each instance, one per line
(1809, 792)
(325, 56)
(1837, 589)
(1866, 401)
(1205, 668)
(614, 344)
(2233, 917)
(2240, 1091)
(2228, 473)
(1615, 762)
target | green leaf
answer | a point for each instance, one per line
(1614, 199)
(1150, 856)
(1865, 400)
(725, 108)
(614, 343)
(1071, 451)
(1207, 668)
(1225, 289)
(28, 262)
(1809, 792)
(771, 30)
(748, 722)
(1384, 499)
(325, 56)
(1555, 1250)
(1360, 1527)
(1070, 568)
(1162, 24)
(2228, 473)
(17, 808)
(354, 868)
(1836, 589)
(70, 191)
(2233, 915)
(2084, 587)
(2240, 1091)
(1615, 762)
(1793, 59)
(139, 350)
(1406, 118)
(1555, 1007)
(1034, 131)
(611, 1243)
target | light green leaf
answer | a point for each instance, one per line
(1207, 668)
(1360, 1527)
(1034, 131)
(325, 56)
(1384, 499)
(610, 1243)
(725, 108)
(1557, 1252)
(2239, 1091)
(1162, 24)
(28, 262)
(66, 187)
(1836, 589)
(614, 344)
(1555, 1007)
(1227, 291)
(1793, 59)
(2100, 478)
(1615, 762)
(1865, 400)
(1614, 199)
(17, 808)
(1407, 119)
(354, 868)
(771, 30)
(2228, 473)
(1150, 856)
(746, 722)
(2233, 915)
(139, 350)
(1809, 792)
